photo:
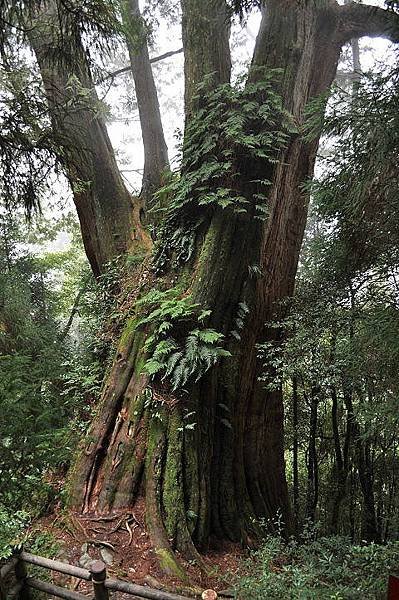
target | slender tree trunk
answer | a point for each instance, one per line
(295, 445)
(339, 479)
(369, 530)
(341, 467)
(352, 506)
(155, 149)
(390, 508)
(339, 471)
(217, 477)
(109, 216)
(313, 463)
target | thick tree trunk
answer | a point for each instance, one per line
(215, 478)
(109, 216)
(155, 149)
(206, 32)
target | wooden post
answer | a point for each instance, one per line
(98, 577)
(393, 587)
(3, 594)
(7, 573)
(21, 575)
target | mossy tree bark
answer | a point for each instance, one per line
(110, 217)
(219, 477)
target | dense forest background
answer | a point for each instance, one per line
(330, 348)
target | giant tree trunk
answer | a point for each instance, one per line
(110, 218)
(215, 478)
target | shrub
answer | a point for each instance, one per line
(330, 568)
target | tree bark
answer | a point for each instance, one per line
(369, 528)
(313, 462)
(206, 32)
(342, 465)
(221, 476)
(295, 447)
(109, 217)
(155, 149)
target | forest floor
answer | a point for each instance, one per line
(122, 542)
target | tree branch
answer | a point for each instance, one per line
(358, 20)
(153, 60)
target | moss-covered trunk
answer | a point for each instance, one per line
(209, 458)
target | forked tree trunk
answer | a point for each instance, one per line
(216, 478)
(109, 216)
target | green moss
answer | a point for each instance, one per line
(191, 481)
(169, 563)
(172, 498)
(127, 333)
(135, 259)
(207, 246)
(141, 357)
(136, 408)
(155, 431)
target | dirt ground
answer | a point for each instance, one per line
(121, 541)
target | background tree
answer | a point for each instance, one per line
(41, 412)
(346, 285)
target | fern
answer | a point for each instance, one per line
(177, 360)
(257, 128)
